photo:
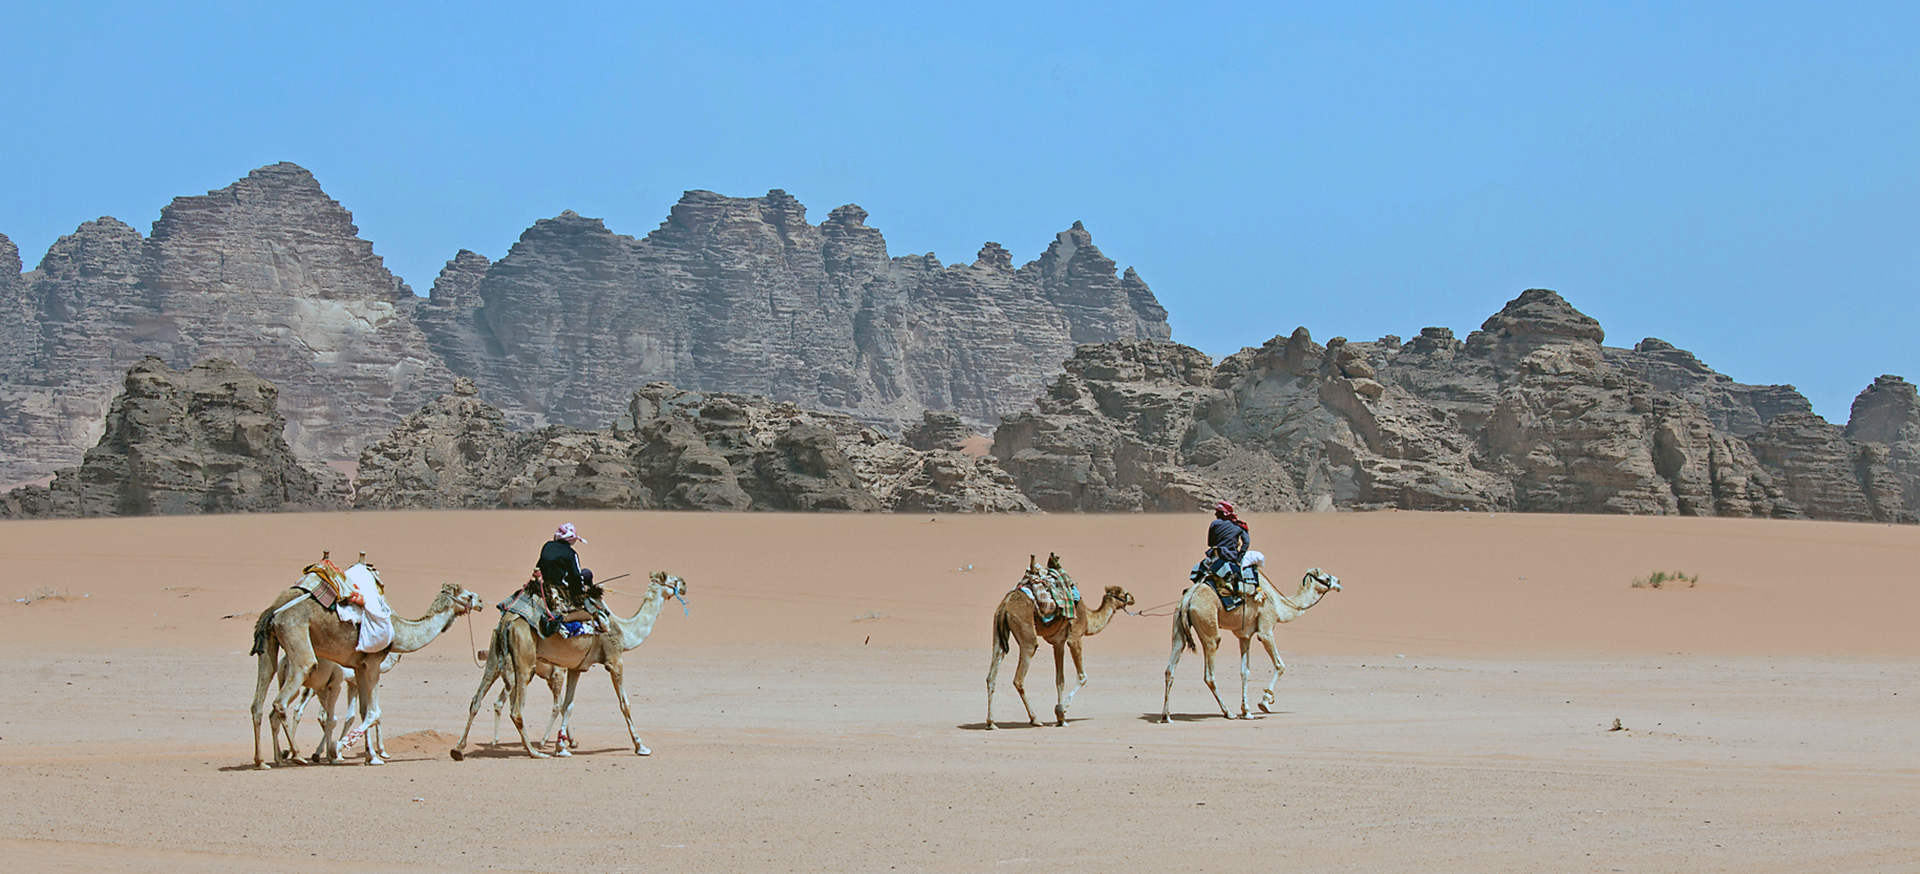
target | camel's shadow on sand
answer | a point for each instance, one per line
(515, 751)
(1208, 717)
(1011, 726)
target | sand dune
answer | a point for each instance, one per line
(817, 705)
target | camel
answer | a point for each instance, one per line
(516, 650)
(1017, 618)
(325, 682)
(1201, 613)
(309, 632)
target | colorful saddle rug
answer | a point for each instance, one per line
(1054, 594)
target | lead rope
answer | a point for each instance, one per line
(473, 645)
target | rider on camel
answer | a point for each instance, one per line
(1227, 542)
(560, 566)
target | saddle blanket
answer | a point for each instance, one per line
(1053, 592)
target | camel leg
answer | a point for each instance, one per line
(329, 723)
(1209, 647)
(1246, 671)
(1265, 636)
(1080, 675)
(269, 663)
(522, 676)
(615, 667)
(561, 706)
(487, 678)
(554, 685)
(1027, 649)
(993, 674)
(368, 681)
(1059, 684)
(499, 707)
(1173, 661)
(300, 662)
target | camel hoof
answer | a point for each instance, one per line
(372, 762)
(457, 755)
(641, 750)
(991, 726)
(540, 755)
(262, 766)
(563, 753)
(1264, 708)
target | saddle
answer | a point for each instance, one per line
(1232, 582)
(1054, 593)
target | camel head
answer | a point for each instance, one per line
(462, 600)
(1321, 581)
(1115, 593)
(673, 586)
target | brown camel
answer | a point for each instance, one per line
(1201, 614)
(1017, 618)
(309, 632)
(515, 650)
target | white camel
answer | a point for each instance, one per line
(516, 649)
(1201, 615)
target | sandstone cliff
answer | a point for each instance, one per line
(204, 440)
(269, 272)
(744, 295)
(1529, 413)
(671, 449)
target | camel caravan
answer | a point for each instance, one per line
(332, 632)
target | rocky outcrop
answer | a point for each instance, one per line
(269, 271)
(744, 295)
(1529, 413)
(671, 449)
(204, 440)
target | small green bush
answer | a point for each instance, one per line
(1660, 579)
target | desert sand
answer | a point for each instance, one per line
(818, 706)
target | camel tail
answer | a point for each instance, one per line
(1002, 631)
(262, 632)
(1182, 626)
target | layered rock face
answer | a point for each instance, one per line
(744, 295)
(204, 440)
(269, 272)
(671, 449)
(1529, 413)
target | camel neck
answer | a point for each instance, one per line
(1299, 601)
(1102, 614)
(410, 635)
(634, 631)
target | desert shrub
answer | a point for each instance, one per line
(1662, 579)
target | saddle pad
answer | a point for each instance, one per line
(523, 605)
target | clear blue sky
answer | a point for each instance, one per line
(1741, 179)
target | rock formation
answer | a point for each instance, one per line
(1529, 413)
(269, 272)
(671, 449)
(204, 440)
(744, 295)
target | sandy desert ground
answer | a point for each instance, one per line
(819, 706)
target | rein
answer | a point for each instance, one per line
(471, 643)
(677, 596)
(1148, 611)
